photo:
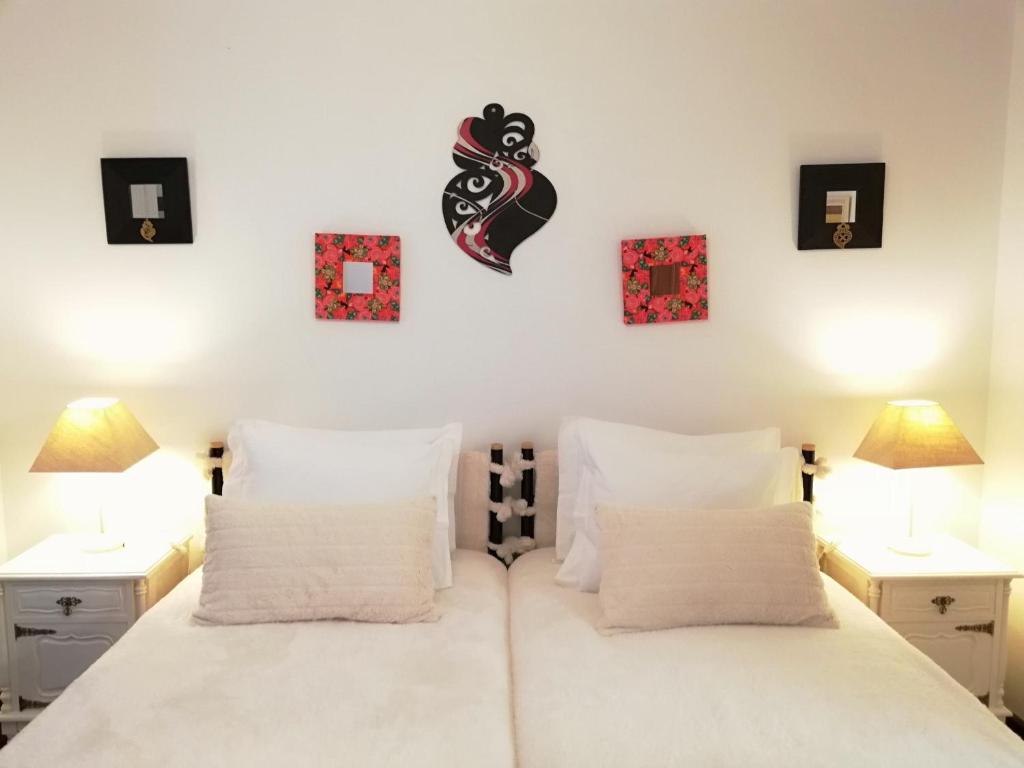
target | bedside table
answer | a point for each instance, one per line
(63, 608)
(952, 605)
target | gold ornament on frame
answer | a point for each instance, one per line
(147, 231)
(842, 236)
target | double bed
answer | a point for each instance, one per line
(515, 673)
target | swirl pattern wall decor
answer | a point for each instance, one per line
(497, 200)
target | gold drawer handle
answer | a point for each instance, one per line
(943, 602)
(67, 603)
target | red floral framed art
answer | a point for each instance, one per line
(358, 277)
(664, 279)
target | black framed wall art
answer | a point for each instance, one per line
(146, 200)
(841, 206)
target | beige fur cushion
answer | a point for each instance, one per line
(277, 562)
(674, 568)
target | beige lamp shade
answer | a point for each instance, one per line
(94, 435)
(915, 433)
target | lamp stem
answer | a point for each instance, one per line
(910, 510)
(103, 541)
(105, 483)
(904, 499)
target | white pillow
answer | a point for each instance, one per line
(677, 480)
(274, 463)
(678, 568)
(286, 562)
(577, 436)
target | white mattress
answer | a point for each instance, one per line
(175, 693)
(732, 695)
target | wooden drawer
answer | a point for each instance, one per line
(89, 602)
(966, 602)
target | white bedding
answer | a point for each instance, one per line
(175, 693)
(732, 695)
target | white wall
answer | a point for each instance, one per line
(1002, 523)
(653, 118)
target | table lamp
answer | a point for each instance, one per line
(913, 434)
(95, 435)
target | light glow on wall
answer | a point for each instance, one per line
(877, 350)
(126, 339)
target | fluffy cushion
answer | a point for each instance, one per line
(611, 475)
(274, 463)
(578, 436)
(674, 568)
(276, 562)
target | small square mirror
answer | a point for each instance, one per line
(841, 207)
(146, 199)
(665, 280)
(357, 276)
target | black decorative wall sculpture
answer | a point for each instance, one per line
(497, 200)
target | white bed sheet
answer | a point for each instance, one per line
(172, 692)
(745, 696)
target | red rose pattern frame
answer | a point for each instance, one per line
(383, 251)
(690, 252)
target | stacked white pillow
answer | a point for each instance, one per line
(607, 463)
(578, 436)
(277, 464)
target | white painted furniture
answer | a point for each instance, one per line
(63, 608)
(952, 605)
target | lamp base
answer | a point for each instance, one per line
(911, 546)
(101, 542)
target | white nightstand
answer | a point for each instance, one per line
(63, 608)
(952, 605)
